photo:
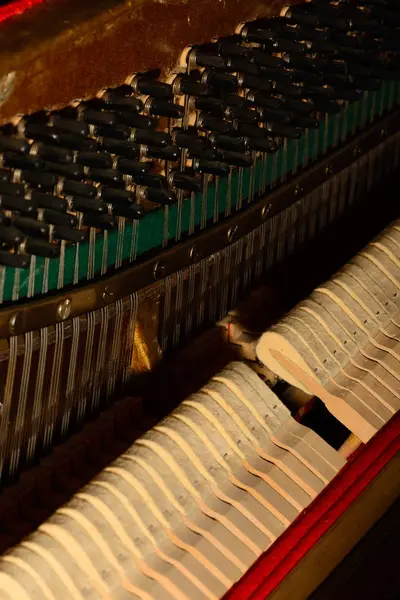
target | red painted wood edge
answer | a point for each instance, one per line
(275, 564)
(17, 8)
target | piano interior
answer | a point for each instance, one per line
(199, 288)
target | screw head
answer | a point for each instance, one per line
(232, 233)
(64, 309)
(298, 189)
(265, 211)
(158, 271)
(12, 324)
(107, 295)
(328, 170)
(192, 252)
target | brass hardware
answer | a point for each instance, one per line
(158, 271)
(35, 314)
(13, 323)
(64, 309)
(265, 211)
(232, 233)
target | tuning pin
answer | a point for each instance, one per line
(111, 195)
(20, 161)
(301, 17)
(287, 89)
(262, 144)
(13, 144)
(301, 107)
(184, 85)
(213, 106)
(325, 105)
(197, 57)
(79, 128)
(115, 99)
(77, 142)
(106, 176)
(241, 114)
(183, 181)
(157, 195)
(226, 142)
(256, 83)
(275, 116)
(49, 135)
(75, 188)
(97, 117)
(16, 261)
(41, 248)
(162, 108)
(57, 218)
(170, 153)
(209, 123)
(136, 120)
(5, 175)
(277, 74)
(119, 132)
(236, 159)
(104, 222)
(348, 94)
(13, 189)
(248, 129)
(243, 65)
(42, 200)
(307, 77)
(283, 44)
(255, 32)
(76, 172)
(209, 167)
(219, 81)
(42, 180)
(91, 205)
(44, 133)
(123, 148)
(148, 85)
(366, 83)
(16, 203)
(265, 59)
(155, 180)
(97, 160)
(152, 138)
(52, 153)
(190, 141)
(76, 236)
(285, 131)
(133, 212)
(305, 122)
(32, 227)
(10, 235)
(133, 168)
(227, 46)
(264, 100)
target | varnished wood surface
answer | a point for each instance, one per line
(67, 49)
(370, 571)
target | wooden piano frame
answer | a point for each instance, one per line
(319, 539)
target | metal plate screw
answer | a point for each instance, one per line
(64, 309)
(13, 323)
(265, 211)
(232, 233)
(158, 270)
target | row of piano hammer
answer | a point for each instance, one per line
(191, 505)
(342, 344)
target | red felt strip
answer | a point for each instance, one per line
(364, 465)
(17, 8)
